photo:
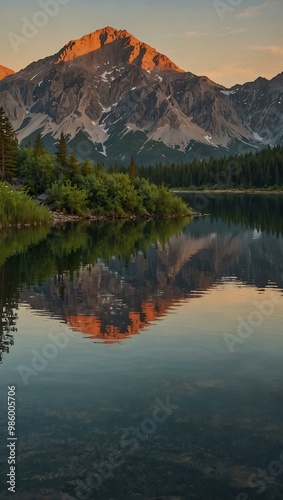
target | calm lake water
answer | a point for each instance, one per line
(147, 357)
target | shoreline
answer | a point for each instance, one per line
(223, 191)
(57, 218)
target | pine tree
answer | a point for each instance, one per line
(8, 147)
(62, 154)
(38, 147)
(277, 176)
(74, 166)
(133, 169)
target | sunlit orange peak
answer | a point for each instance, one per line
(5, 72)
(149, 58)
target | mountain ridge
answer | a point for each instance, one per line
(117, 96)
(4, 72)
(97, 40)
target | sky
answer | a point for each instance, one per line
(230, 41)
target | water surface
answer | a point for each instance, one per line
(168, 378)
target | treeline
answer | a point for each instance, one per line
(263, 169)
(250, 212)
(81, 188)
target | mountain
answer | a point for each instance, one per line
(5, 72)
(259, 105)
(115, 96)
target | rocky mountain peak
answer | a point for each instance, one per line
(123, 43)
(4, 72)
(118, 96)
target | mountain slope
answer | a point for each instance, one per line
(4, 72)
(115, 96)
(259, 105)
(127, 48)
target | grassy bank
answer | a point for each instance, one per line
(16, 207)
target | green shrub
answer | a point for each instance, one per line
(17, 207)
(68, 197)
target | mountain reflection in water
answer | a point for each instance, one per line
(146, 306)
(113, 280)
(114, 298)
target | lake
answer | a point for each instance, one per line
(146, 357)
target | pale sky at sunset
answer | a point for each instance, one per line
(233, 45)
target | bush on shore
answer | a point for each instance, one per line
(113, 195)
(17, 207)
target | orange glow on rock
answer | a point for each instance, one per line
(144, 55)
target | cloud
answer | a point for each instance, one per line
(232, 31)
(250, 11)
(276, 50)
(253, 11)
(193, 34)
